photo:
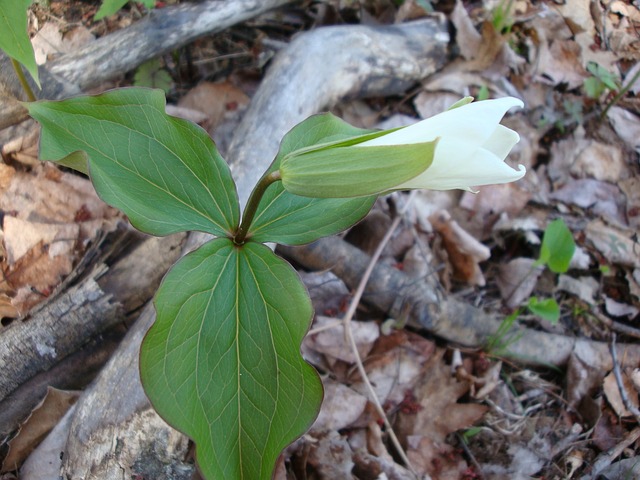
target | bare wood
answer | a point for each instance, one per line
(324, 67)
(113, 55)
(36, 344)
(282, 100)
(420, 300)
(161, 31)
(64, 325)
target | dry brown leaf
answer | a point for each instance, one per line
(615, 244)
(49, 41)
(331, 456)
(394, 364)
(35, 275)
(585, 19)
(612, 392)
(516, 280)
(601, 198)
(585, 288)
(437, 414)
(601, 162)
(7, 309)
(22, 236)
(560, 63)
(464, 252)
(341, 406)
(429, 104)
(214, 100)
(42, 419)
(618, 309)
(331, 342)
(626, 125)
(195, 116)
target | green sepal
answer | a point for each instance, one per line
(285, 218)
(354, 171)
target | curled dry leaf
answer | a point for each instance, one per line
(516, 280)
(464, 252)
(331, 342)
(43, 418)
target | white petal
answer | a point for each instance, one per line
(501, 141)
(475, 122)
(450, 171)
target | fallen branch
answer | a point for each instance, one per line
(161, 31)
(394, 292)
(36, 351)
(102, 442)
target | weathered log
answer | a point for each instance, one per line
(379, 61)
(419, 301)
(113, 55)
(113, 290)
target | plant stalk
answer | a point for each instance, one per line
(23, 80)
(620, 94)
(252, 205)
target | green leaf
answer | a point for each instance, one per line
(151, 74)
(593, 87)
(14, 39)
(108, 8)
(163, 172)
(547, 309)
(222, 362)
(557, 247)
(605, 76)
(293, 220)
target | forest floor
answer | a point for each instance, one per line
(460, 413)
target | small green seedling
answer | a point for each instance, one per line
(556, 252)
(151, 74)
(109, 7)
(600, 81)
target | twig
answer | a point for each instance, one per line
(616, 372)
(606, 458)
(349, 334)
(470, 455)
(620, 94)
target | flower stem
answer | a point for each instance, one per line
(23, 80)
(252, 205)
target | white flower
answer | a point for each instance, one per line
(471, 149)
(461, 148)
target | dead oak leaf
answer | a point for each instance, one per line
(424, 432)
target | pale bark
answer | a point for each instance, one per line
(161, 31)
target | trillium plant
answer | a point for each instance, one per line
(222, 361)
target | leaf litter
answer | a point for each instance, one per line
(457, 415)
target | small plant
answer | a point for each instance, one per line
(151, 74)
(109, 7)
(556, 252)
(222, 361)
(502, 19)
(600, 81)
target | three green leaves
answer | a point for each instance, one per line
(222, 362)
